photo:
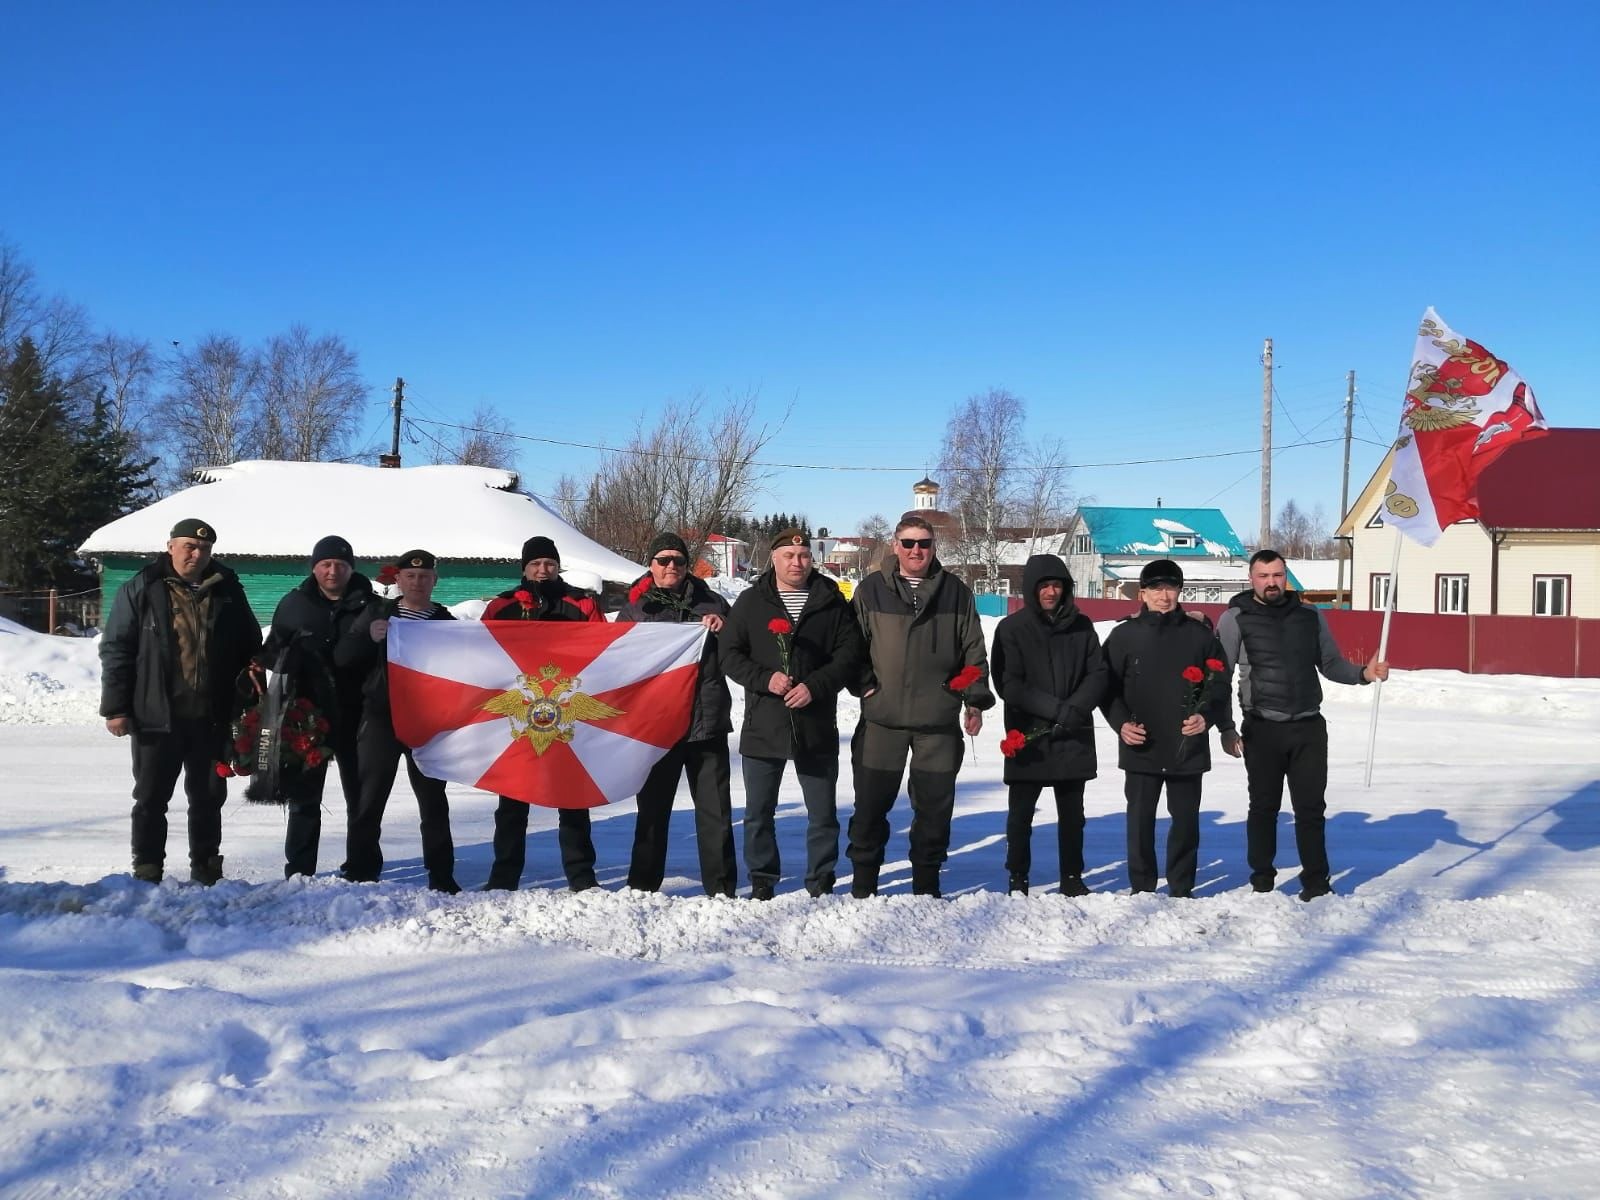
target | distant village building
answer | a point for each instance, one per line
(268, 516)
(723, 555)
(1535, 551)
(1107, 547)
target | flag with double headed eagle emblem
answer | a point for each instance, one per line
(1464, 408)
(561, 714)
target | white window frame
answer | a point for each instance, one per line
(1083, 544)
(1552, 595)
(1451, 595)
(1378, 591)
(1183, 541)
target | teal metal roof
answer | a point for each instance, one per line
(1139, 531)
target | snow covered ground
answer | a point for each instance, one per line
(1432, 1031)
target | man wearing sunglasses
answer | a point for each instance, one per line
(670, 592)
(922, 629)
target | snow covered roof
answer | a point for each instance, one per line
(1204, 571)
(280, 509)
(1148, 531)
(1318, 574)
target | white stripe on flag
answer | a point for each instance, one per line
(618, 765)
(644, 651)
(464, 651)
(464, 754)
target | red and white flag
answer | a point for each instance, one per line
(563, 714)
(1464, 408)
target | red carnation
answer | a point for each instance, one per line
(314, 758)
(1194, 674)
(252, 718)
(322, 725)
(779, 626)
(241, 745)
(1014, 740)
(387, 574)
(224, 770)
(965, 678)
(1216, 665)
(523, 597)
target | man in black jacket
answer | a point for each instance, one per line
(921, 627)
(542, 595)
(309, 622)
(1167, 687)
(670, 593)
(378, 750)
(792, 642)
(1049, 670)
(1278, 645)
(179, 636)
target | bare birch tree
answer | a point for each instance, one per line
(205, 410)
(998, 488)
(308, 397)
(487, 440)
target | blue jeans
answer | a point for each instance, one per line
(819, 781)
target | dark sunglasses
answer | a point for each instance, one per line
(670, 560)
(917, 543)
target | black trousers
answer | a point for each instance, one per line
(192, 747)
(1021, 801)
(378, 755)
(878, 757)
(1296, 751)
(706, 764)
(819, 785)
(1183, 839)
(511, 846)
(304, 833)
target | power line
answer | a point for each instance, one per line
(795, 466)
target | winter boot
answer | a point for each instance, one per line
(147, 872)
(865, 883)
(206, 872)
(1017, 885)
(1072, 885)
(823, 887)
(761, 890)
(925, 882)
(448, 886)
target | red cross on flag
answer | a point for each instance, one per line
(563, 714)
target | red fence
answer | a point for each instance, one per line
(1565, 647)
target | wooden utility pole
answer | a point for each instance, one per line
(1344, 483)
(1266, 444)
(392, 459)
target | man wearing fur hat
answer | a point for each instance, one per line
(306, 625)
(1049, 671)
(670, 592)
(378, 750)
(542, 595)
(1167, 689)
(922, 632)
(180, 634)
(793, 643)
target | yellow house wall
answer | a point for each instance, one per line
(1577, 554)
(1460, 550)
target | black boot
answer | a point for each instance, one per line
(1072, 885)
(207, 872)
(925, 882)
(1017, 885)
(761, 889)
(865, 882)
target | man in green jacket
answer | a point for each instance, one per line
(924, 642)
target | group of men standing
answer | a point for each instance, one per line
(182, 652)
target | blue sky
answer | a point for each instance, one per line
(871, 211)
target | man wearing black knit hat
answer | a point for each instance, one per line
(542, 595)
(307, 624)
(670, 592)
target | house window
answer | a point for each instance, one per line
(1550, 595)
(1183, 541)
(1452, 594)
(1380, 592)
(1083, 544)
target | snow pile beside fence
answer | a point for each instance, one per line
(46, 680)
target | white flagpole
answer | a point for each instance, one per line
(1383, 651)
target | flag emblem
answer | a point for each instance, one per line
(546, 708)
(557, 713)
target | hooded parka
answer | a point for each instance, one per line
(1049, 670)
